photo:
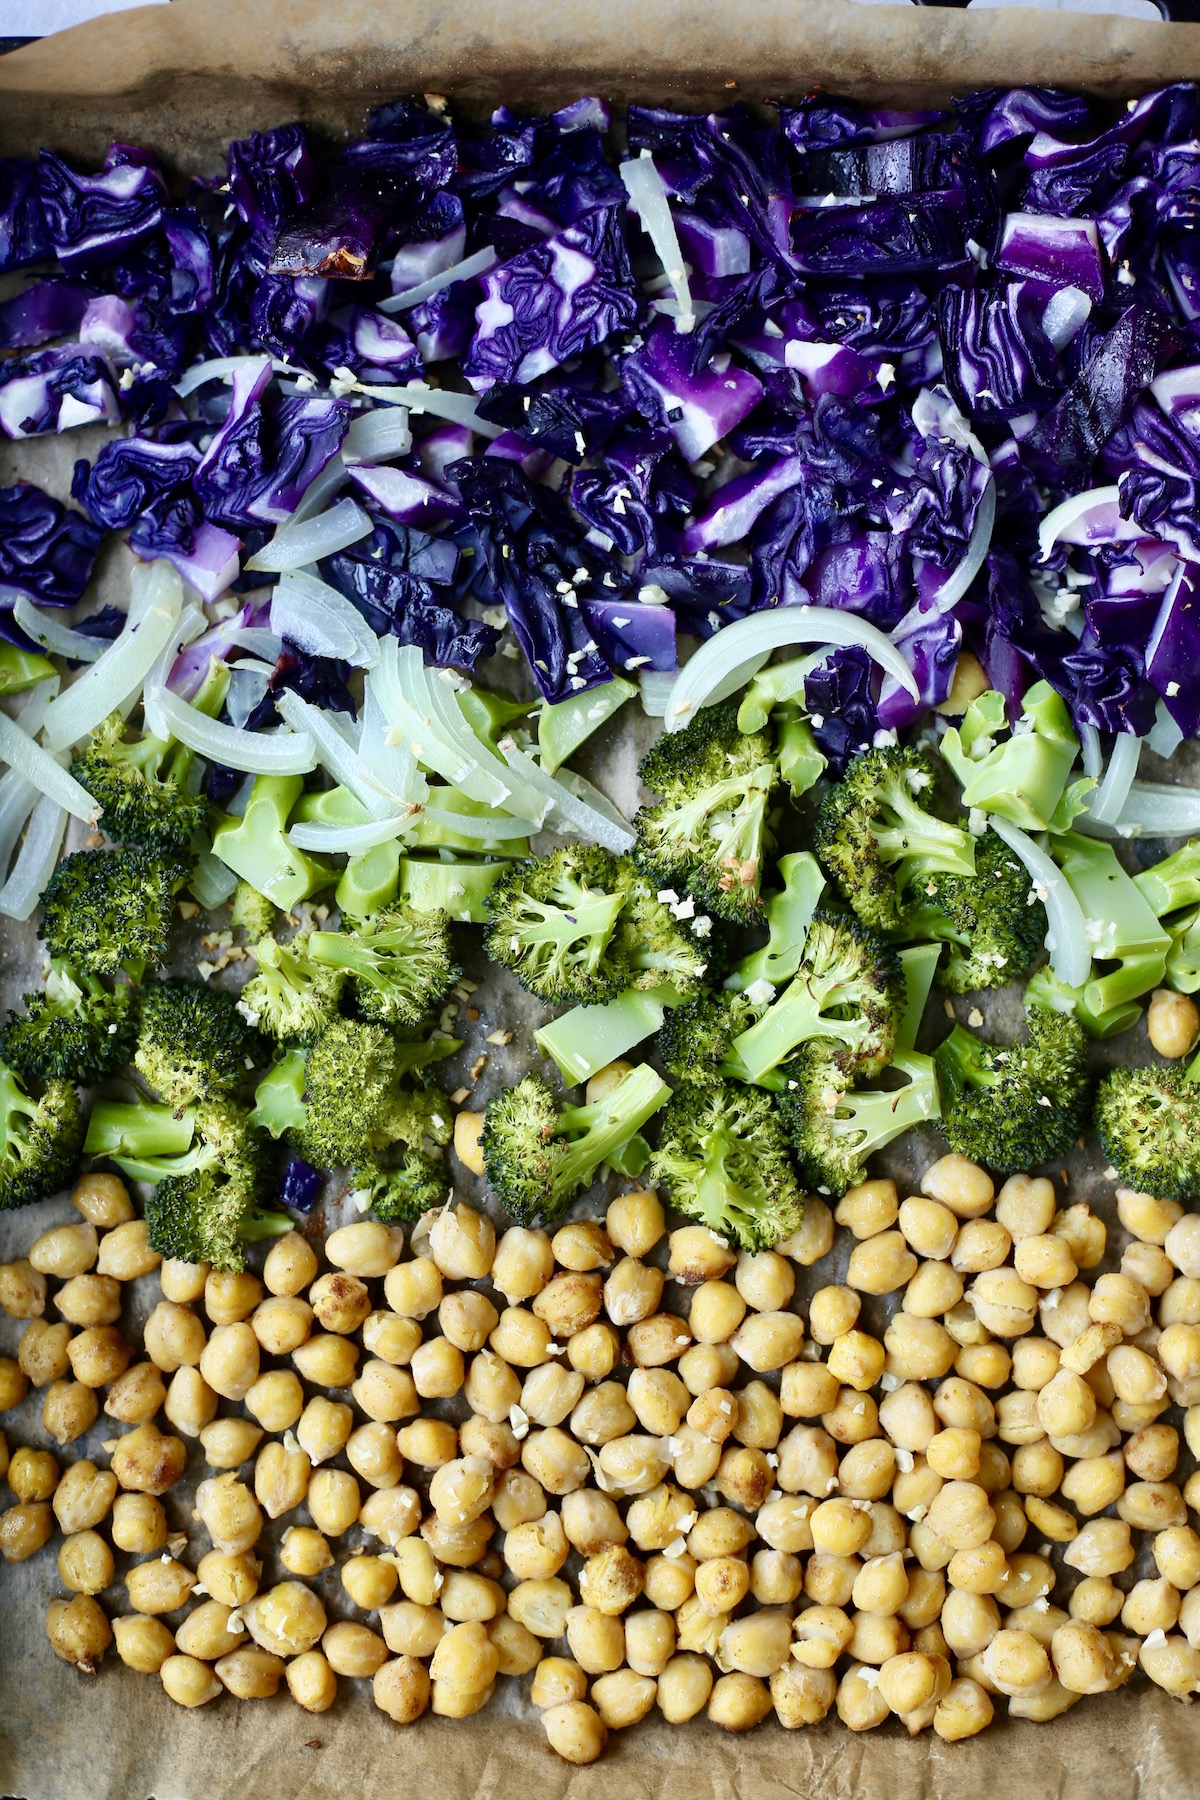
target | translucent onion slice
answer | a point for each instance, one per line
(319, 620)
(1108, 800)
(1165, 735)
(254, 752)
(729, 658)
(393, 765)
(337, 751)
(156, 604)
(478, 264)
(306, 541)
(320, 491)
(1092, 517)
(1156, 809)
(259, 641)
(489, 830)
(655, 686)
(1066, 939)
(377, 436)
(334, 840)
(1093, 756)
(60, 640)
(224, 368)
(35, 860)
(26, 756)
(442, 403)
(579, 808)
(192, 624)
(436, 713)
(645, 188)
(18, 798)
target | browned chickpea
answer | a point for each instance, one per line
(147, 1461)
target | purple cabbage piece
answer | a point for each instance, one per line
(47, 309)
(1173, 650)
(409, 140)
(713, 246)
(571, 422)
(320, 679)
(632, 636)
(339, 231)
(1110, 691)
(46, 550)
(1023, 112)
(819, 123)
(920, 235)
(94, 219)
(372, 346)
(1064, 251)
(172, 527)
(640, 489)
(531, 458)
(840, 697)
(935, 510)
(284, 311)
(440, 449)
(407, 497)
(553, 301)
(1165, 506)
(24, 233)
(267, 452)
(530, 557)
(704, 593)
(734, 509)
(866, 573)
(269, 174)
(1067, 438)
(299, 1185)
(393, 577)
(443, 324)
(698, 409)
(55, 390)
(130, 475)
(930, 648)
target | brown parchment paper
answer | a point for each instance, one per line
(184, 79)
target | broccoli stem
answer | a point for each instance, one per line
(1183, 958)
(1172, 883)
(1049, 991)
(793, 1019)
(564, 727)
(1021, 780)
(874, 1117)
(919, 843)
(801, 764)
(788, 915)
(459, 889)
(22, 669)
(369, 881)
(279, 1096)
(588, 1037)
(919, 962)
(1121, 925)
(131, 1134)
(257, 849)
(600, 1129)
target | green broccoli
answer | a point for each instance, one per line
(142, 785)
(1024, 778)
(279, 1096)
(40, 1139)
(992, 922)
(258, 850)
(291, 996)
(193, 1043)
(723, 1159)
(695, 1039)
(787, 915)
(252, 913)
(150, 1140)
(1173, 883)
(539, 1153)
(848, 991)
(834, 1127)
(552, 920)
(210, 1216)
(1121, 927)
(1148, 1122)
(77, 1029)
(662, 942)
(874, 837)
(104, 911)
(1015, 1106)
(398, 1194)
(708, 833)
(1046, 989)
(401, 963)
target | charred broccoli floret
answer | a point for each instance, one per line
(552, 920)
(291, 996)
(193, 1043)
(252, 913)
(1149, 1125)
(874, 837)
(399, 1193)
(399, 960)
(352, 1083)
(834, 1127)
(78, 1029)
(108, 910)
(723, 1159)
(708, 832)
(142, 785)
(1014, 1106)
(663, 943)
(848, 991)
(539, 1153)
(694, 1040)
(211, 1215)
(41, 1135)
(992, 922)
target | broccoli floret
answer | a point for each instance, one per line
(40, 1139)
(694, 1040)
(552, 920)
(252, 913)
(539, 1153)
(279, 1096)
(1121, 926)
(352, 1079)
(1045, 988)
(399, 1194)
(661, 947)
(992, 922)
(400, 961)
(1148, 1121)
(291, 996)
(874, 837)
(150, 1140)
(193, 1043)
(848, 991)
(723, 1159)
(708, 833)
(834, 1127)
(108, 910)
(1023, 778)
(787, 915)
(141, 783)
(1014, 1106)
(210, 1216)
(78, 1029)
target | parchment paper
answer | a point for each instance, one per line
(184, 79)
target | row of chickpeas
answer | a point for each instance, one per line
(958, 1505)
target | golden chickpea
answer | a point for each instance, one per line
(1103, 1547)
(881, 1264)
(670, 1581)
(182, 1281)
(291, 1265)
(22, 1290)
(103, 1200)
(143, 1643)
(853, 1418)
(190, 1404)
(575, 1731)
(228, 1443)
(964, 1710)
(334, 1501)
(211, 1631)
(85, 1563)
(83, 1496)
(635, 1222)
(229, 1512)
(569, 1303)
(918, 1349)
(32, 1474)
(281, 1324)
(935, 1289)
(856, 1360)
(523, 1264)
(580, 1246)
(462, 1242)
(148, 1461)
(137, 1395)
(541, 1606)
(959, 1184)
(159, 1586)
(79, 1631)
(373, 1453)
(305, 1551)
(1172, 1021)
(126, 1253)
(287, 1620)
(281, 1476)
(189, 1682)
(41, 1358)
(65, 1251)
(68, 1410)
(139, 1524)
(173, 1336)
(251, 1673)
(89, 1300)
(24, 1528)
(340, 1302)
(428, 1442)
(557, 1679)
(328, 1360)
(231, 1297)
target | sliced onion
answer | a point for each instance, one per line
(729, 658)
(336, 840)
(249, 681)
(408, 732)
(192, 624)
(1066, 939)
(393, 764)
(1108, 801)
(156, 604)
(319, 620)
(440, 726)
(960, 578)
(469, 825)
(1092, 517)
(645, 188)
(35, 860)
(337, 751)
(60, 640)
(1093, 756)
(259, 641)
(442, 403)
(27, 757)
(211, 880)
(478, 264)
(224, 368)
(18, 798)
(1156, 809)
(254, 752)
(320, 491)
(377, 436)
(586, 814)
(655, 686)
(1165, 735)
(295, 544)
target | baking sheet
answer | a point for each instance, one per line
(185, 79)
